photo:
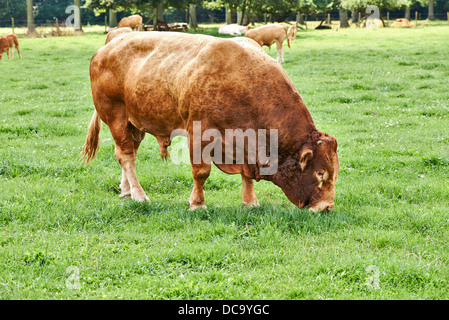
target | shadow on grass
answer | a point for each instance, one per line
(284, 218)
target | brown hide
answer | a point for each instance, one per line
(133, 22)
(7, 42)
(116, 32)
(291, 34)
(157, 82)
(401, 23)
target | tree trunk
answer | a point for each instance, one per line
(355, 16)
(343, 18)
(77, 4)
(228, 15)
(407, 13)
(233, 12)
(431, 15)
(158, 14)
(30, 17)
(299, 18)
(193, 23)
(112, 18)
(239, 17)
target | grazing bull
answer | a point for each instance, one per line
(159, 83)
(116, 32)
(269, 34)
(134, 22)
(7, 42)
(291, 34)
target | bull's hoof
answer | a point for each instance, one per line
(194, 207)
(125, 194)
(253, 204)
(141, 199)
(165, 156)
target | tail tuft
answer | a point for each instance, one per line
(92, 140)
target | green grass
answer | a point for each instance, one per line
(382, 93)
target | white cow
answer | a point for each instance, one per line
(234, 29)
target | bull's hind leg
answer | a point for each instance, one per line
(18, 49)
(127, 139)
(200, 174)
(249, 195)
(125, 186)
(280, 52)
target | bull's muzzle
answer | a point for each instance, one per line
(322, 206)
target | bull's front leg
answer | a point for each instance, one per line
(200, 174)
(249, 195)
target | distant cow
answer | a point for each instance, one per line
(116, 32)
(401, 23)
(234, 29)
(162, 26)
(222, 84)
(134, 22)
(269, 34)
(7, 42)
(291, 34)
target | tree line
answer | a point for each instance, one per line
(193, 11)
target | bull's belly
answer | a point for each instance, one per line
(156, 120)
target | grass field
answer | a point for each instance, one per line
(65, 234)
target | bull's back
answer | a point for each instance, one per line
(165, 79)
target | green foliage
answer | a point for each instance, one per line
(12, 9)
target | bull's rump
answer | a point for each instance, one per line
(168, 80)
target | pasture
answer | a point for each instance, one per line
(65, 234)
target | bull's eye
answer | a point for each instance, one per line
(320, 175)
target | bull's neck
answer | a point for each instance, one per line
(290, 116)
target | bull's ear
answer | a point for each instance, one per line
(306, 156)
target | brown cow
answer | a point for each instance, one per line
(134, 22)
(161, 83)
(401, 23)
(269, 34)
(291, 34)
(162, 26)
(7, 42)
(116, 32)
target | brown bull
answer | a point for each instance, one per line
(7, 42)
(116, 32)
(268, 34)
(162, 82)
(134, 22)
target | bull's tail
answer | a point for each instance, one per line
(289, 37)
(92, 140)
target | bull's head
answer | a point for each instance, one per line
(308, 178)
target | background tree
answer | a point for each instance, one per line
(30, 17)
(303, 7)
(77, 4)
(13, 9)
(431, 8)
